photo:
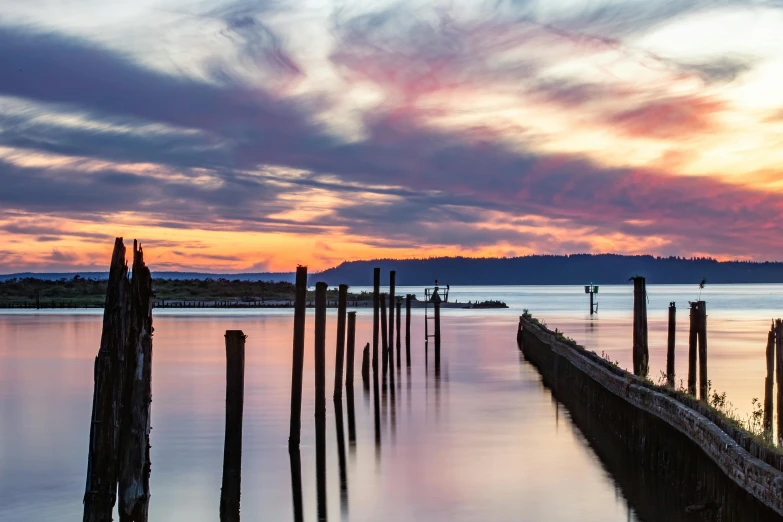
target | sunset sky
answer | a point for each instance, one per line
(252, 136)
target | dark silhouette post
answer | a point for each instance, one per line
(342, 302)
(768, 382)
(300, 305)
(703, 380)
(670, 347)
(408, 329)
(392, 281)
(384, 336)
(296, 483)
(338, 421)
(693, 336)
(398, 303)
(320, 396)
(351, 348)
(376, 298)
(436, 307)
(779, 375)
(641, 354)
(366, 366)
(232, 446)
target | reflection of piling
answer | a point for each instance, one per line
(351, 348)
(436, 306)
(376, 298)
(641, 354)
(670, 347)
(398, 303)
(693, 336)
(300, 304)
(703, 379)
(340, 350)
(392, 280)
(338, 420)
(768, 401)
(232, 448)
(351, 418)
(296, 482)
(408, 329)
(320, 397)
(366, 366)
(384, 338)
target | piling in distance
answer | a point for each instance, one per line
(342, 301)
(392, 283)
(641, 355)
(366, 366)
(779, 374)
(376, 297)
(232, 447)
(398, 303)
(768, 381)
(436, 306)
(703, 379)
(351, 349)
(320, 352)
(693, 336)
(384, 335)
(408, 329)
(300, 305)
(671, 344)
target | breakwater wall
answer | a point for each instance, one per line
(702, 471)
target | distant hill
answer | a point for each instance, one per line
(287, 277)
(574, 269)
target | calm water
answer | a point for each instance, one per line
(484, 441)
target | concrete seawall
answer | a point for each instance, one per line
(704, 472)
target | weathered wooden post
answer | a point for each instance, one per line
(135, 466)
(351, 348)
(232, 447)
(671, 343)
(703, 379)
(779, 374)
(408, 329)
(342, 301)
(436, 307)
(300, 304)
(399, 314)
(392, 282)
(376, 297)
(693, 336)
(320, 352)
(366, 366)
(641, 354)
(768, 382)
(384, 335)
(102, 466)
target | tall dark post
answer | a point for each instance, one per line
(592, 308)
(779, 374)
(320, 397)
(436, 307)
(232, 447)
(376, 298)
(408, 329)
(392, 281)
(768, 382)
(351, 348)
(703, 379)
(641, 354)
(384, 334)
(342, 302)
(670, 347)
(300, 305)
(296, 483)
(693, 336)
(366, 367)
(398, 303)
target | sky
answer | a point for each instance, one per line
(254, 136)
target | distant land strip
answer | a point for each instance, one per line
(573, 269)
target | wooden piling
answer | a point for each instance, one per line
(135, 466)
(376, 297)
(300, 305)
(392, 282)
(351, 348)
(398, 303)
(342, 302)
(703, 379)
(768, 382)
(320, 352)
(641, 355)
(436, 307)
(366, 366)
(408, 298)
(671, 343)
(384, 334)
(232, 447)
(693, 336)
(779, 375)
(109, 370)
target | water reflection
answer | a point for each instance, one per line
(338, 416)
(296, 482)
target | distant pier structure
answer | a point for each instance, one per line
(434, 296)
(592, 290)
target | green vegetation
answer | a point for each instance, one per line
(489, 304)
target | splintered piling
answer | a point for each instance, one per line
(408, 330)
(641, 354)
(670, 346)
(703, 379)
(398, 303)
(342, 301)
(376, 303)
(768, 381)
(300, 309)
(232, 447)
(693, 336)
(351, 349)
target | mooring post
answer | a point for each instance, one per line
(779, 374)
(300, 305)
(703, 379)
(320, 352)
(351, 349)
(398, 303)
(109, 371)
(592, 308)
(366, 366)
(436, 307)
(641, 354)
(768, 382)
(693, 336)
(384, 334)
(670, 347)
(408, 329)
(342, 302)
(392, 281)
(232, 447)
(376, 298)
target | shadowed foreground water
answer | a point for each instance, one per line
(484, 440)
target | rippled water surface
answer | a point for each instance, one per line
(480, 440)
